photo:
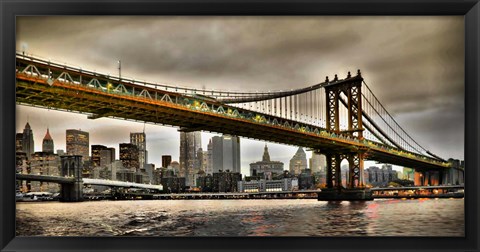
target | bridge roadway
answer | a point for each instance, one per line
(77, 90)
(87, 181)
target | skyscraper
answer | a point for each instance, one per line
(298, 162)
(190, 142)
(77, 143)
(47, 145)
(225, 153)
(27, 142)
(129, 156)
(96, 154)
(139, 139)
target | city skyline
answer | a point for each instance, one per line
(270, 54)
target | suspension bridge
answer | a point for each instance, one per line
(340, 118)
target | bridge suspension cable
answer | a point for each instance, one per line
(383, 121)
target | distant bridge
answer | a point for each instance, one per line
(71, 180)
(87, 181)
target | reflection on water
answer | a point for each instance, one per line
(426, 217)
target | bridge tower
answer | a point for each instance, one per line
(349, 93)
(72, 167)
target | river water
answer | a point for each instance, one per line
(296, 217)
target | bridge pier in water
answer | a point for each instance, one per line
(72, 166)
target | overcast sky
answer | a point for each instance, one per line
(414, 65)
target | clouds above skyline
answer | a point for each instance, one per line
(414, 65)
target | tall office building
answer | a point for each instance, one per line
(318, 162)
(27, 141)
(47, 144)
(129, 156)
(140, 140)
(190, 142)
(225, 153)
(298, 162)
(96, 154)
(166, 160)
(78, 143)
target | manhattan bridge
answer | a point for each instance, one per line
(340, 117)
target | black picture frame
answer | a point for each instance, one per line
(470, 9)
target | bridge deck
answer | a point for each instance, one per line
(78, 94)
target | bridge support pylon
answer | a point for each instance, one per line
(355, 188)
(72, 167)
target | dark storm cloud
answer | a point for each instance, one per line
(412, 64)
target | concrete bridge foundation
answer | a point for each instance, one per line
(334, 194)
(72, 167)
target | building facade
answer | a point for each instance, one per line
(266, 167)
(140, 140)
(96, 154)
(190, 143)
(380, 177)
(225, 153)
(129, 156)
(47, 144)
(44, 163)
(318, 163)
(27, 141)
(77, 142)
(298, 161)
(226, 181)
(262, 185)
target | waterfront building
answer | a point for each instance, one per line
(318, 162)
(77, 142)
(266, 168)
(60, 152)
(166, 160)
(263, 185)
(47, 144)
(129, 156)
(171, 182)
(204, 182)
(139, 139)
(226, 181)
(225, 153)
(380, 177)
(27, 141)
(44, 163)
(298, 161)
(190, 143)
